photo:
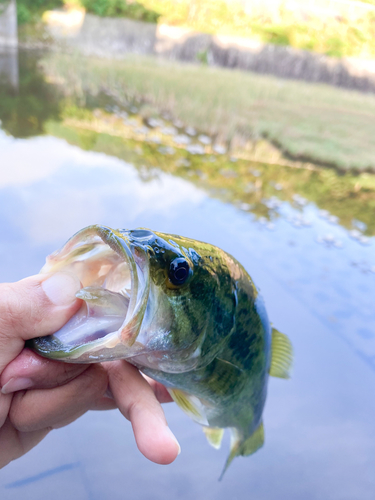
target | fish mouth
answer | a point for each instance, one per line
(114, 272)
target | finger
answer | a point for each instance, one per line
(161, 393)
(36, 409)
(108, 403)
(137, 402)
(14, 444)
(104, 404)
(29, 370)
(5, 402)
(36, 306)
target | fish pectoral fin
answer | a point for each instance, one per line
(214, 436)
(282, 355)
(244, 445)
(191, 405)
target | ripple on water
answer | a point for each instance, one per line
(329, 241)
(356, 235)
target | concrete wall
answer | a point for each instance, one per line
(115, 36)
(8, 26)
(250, 55)
(287, 62)
(119, 37)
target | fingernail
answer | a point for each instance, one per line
(61, 288)
(16, 384)
(174, 439)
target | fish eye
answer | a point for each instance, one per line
(179, 271)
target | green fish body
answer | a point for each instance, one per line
(185, 313)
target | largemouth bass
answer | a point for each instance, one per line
(185, 313)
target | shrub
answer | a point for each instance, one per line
(31, 10)
(120, 8)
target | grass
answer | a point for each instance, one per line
(309, 122)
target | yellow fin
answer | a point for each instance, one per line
(214, 436)
(282, 355)
(190, 404)
(244, 446)
(254, 442)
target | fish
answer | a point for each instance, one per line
(185, 313)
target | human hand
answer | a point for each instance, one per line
(39, 394)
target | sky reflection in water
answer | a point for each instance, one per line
(318, 284)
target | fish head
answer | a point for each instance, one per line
(161, 301)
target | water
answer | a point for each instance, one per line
(314, 264)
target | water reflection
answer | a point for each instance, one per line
(9, 68)
(306, 238)
(27, 101)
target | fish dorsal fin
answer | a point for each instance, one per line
(191, 405)
(244, 445)
(282, 355)
(214, 436)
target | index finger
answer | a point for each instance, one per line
(33, 307)
(137, 402)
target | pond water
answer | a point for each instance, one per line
(315, 268)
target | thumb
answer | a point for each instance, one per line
(34, 307)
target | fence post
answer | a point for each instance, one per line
(8, 25)
(9, 46)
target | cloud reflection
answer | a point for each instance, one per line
(72, 188)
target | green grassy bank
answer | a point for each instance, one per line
(312, 123)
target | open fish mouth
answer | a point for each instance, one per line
(114, 273)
